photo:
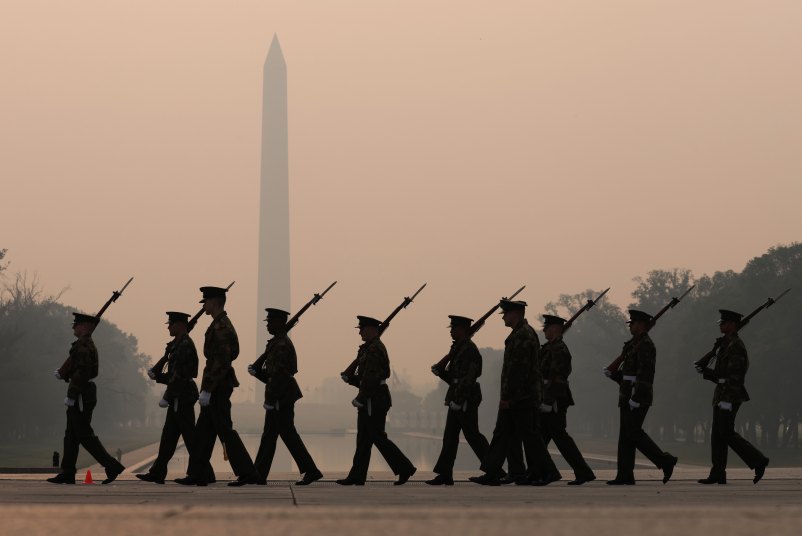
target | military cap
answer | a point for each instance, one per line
(212, 292)
(729, 316)
(639, 316)
(512, 305)
(81, 318)
(549, 320)
(174, 316)
(463, 321)
(278, 314)
(366, 321)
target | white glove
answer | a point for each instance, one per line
(251, 370)
(163, 403)
(633, 404)
(69, 402)
(456, 407)
(268, 407)
(607, 372)
(204, 398)
(545, 408)
(57, 375)
(357, 404)
(726, 406)
(344, 377)
(151, 375)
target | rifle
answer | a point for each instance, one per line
(705, 360)
(64, 369)
(439, 367)
(292, 322)
(159, 366)
(351, 369)
(587, 307)
(612, 367)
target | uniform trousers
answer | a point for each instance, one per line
(631, 436)
(178, 422)
(79, 433)
(468, 423)
(370, 431)
(214, 421)
(281, 423)
(513, 427)
(724, 436)
(553, 427)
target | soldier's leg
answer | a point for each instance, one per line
(238, 457)
(169, 439)
(751, 456)
(448, 452)
(86, 436)
(537, 456)
(267, 446)
(499, 445)
(718, 444)
(515, 458)
(292, 440)
(399, 463)
(626, 446)
(567, 446)
(546, 427)
(359, 467)
(644, 443)
(187, 427)
(71, 444)
(469, 422)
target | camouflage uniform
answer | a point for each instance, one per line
(181, 393)
(371, 376)
(521, 386)
(464, 368)
(221, 347)
(555, 366)
(79, 370)
(635, 379)
(732, 363)
(280, 364)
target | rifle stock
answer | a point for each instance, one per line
(349, 371)
(616, 364)
(705, 360)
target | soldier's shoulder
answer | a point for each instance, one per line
(185, 342)
(738, 345)
(84, 344)
(283, 343)
(647, 342)
(560, 346)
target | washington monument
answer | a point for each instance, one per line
(274, 203)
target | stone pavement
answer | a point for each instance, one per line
(774, 507)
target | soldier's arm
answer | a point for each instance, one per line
(465, 385)
(737, 363)
(261, 374)
(218, 359)
(642, 390)
(371, 375)
(519, 370)
(558, 374)
(81, 370)
(281, 377)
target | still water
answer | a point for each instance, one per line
(334, 453)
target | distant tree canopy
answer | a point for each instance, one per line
(35, 338)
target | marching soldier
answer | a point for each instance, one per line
(79, 371)
(463, 398)
(555, 366)
(221, 347)
(179, 398)
(280, 364)
(635, 378)
(521, 386)
(729, 373)
(372, 403)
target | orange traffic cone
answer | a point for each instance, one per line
(88, 479)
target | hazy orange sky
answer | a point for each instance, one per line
(476, 146)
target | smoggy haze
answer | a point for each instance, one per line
(565, 145)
